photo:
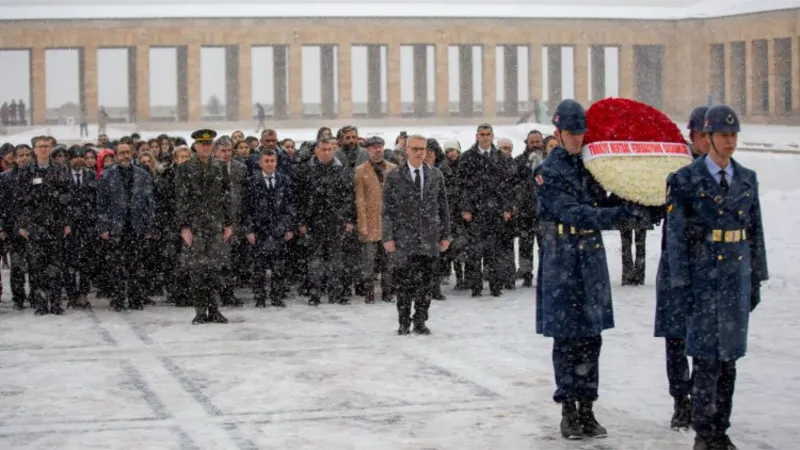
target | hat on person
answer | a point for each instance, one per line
(204, 136)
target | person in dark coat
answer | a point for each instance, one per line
(326, 212)
(351, 155)
(573, 292)
(237, 172)
(415, 228)
(175, 277)
(633, 238)
(79, 245)
(42, 190)
(434, 157)
(527, 218)
(717, 257)
(125, 220)
(203, 195)
(9, 216)
(486, 205)
(268, 222)
(672, 304)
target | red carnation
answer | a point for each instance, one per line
(621, 119)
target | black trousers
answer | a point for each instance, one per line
(484, 244)
(351, 259)
(325, 265)
(77, 262)
(633, 270)
(46, 266)
(576, 364)
(275, 263)
(527, 238)
(176, 276)
(413, 282)
(20, 265)
(712, 395)
(128, 252)
(678, 374)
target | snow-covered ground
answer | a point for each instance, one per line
(773, 138)
(338, 377)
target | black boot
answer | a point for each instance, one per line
(314, 300)
(117, 304)
(570, 422)
(215, 316)
(681, 418)
(459, 269)
(527, 280)
(703, 442)
(723, 442)
(591, 428)
(201, 316)
(437, 290)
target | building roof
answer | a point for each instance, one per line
(564, 9)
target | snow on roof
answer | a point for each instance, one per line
(573, 9)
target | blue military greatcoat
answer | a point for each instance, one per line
(716, 256)
(573, 294)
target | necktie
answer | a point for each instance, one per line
(269, 182)
(723, 183)
(418, 181)
(78, 179)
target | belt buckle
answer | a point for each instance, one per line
(716, 235)
(571, 230)
(744, 234)
(560, 229)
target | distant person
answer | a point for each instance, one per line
(23, 120)
(262, 117)
(102, 119)
(84, 123)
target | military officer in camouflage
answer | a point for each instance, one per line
(202, 212)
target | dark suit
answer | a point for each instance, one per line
(79, 246)
(127, 214)
(486, 195)
(43, 193)
(269, 214)
(416, 223)
(237, 172)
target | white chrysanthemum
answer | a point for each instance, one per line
(638, 175)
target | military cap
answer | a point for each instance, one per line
(375, 140)
(204, 136)
(721, 119)
(697, 119)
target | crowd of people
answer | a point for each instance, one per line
(13, 113)
(333, 216)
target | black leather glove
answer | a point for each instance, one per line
(755, 295)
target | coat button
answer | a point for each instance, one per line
(721, 212)
(580, 247)
(740, 258)
(720, 257)
(741, 212)
(596, 245)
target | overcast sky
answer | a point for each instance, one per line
(62, 75)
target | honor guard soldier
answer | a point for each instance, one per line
(202, 211)
(573, 293)
(717, 261)
(671, 306)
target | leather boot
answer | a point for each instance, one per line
(215, 316)
(571, 427)
(591, 428)
(369, 293)
(682, 416)
(201, 316)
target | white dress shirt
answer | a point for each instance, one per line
(421, 177)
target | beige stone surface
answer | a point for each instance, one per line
(686, 50)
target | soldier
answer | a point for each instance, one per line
(203, 195)
(43, 191)
(671, 306)
(717, 259)
(573, 293)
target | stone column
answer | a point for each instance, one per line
(442, 73)
(727, 80)
(395, 100)
(139, 76)
(38, 70)
(345, 81)
(598, 53)
(772, 79)
(374, 101)
(295, 81)
(510, 81)
(489, 56)
(535, 76)
(281, 87)
(231, 82)
(580, 61)
(420, 80)
(466, 102)
(87, 61)
(795, 55)
(327, 68)
(193, 80)
(183, 84)
(627, 72)
(554, 91)
(748, 85)
(245, 83)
